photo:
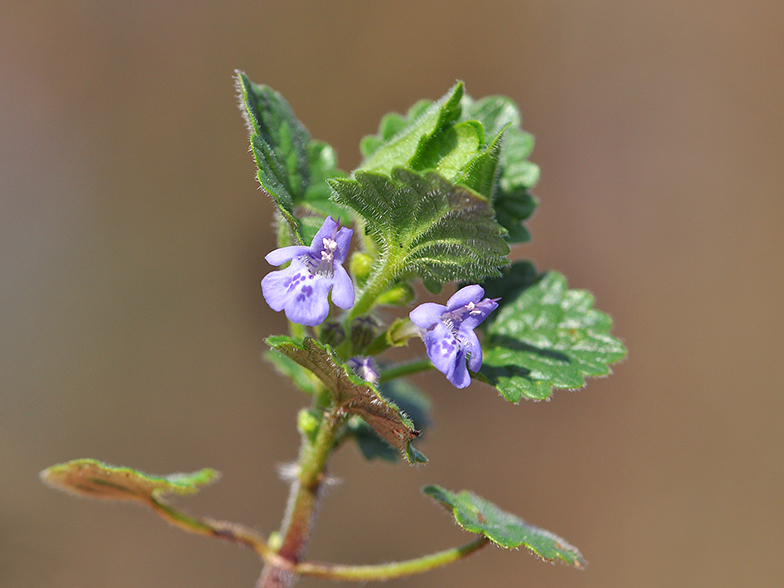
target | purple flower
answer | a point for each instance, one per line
(302, 288)
(449, 332)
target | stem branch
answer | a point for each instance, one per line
(303, 504)
(212, 528)
(390, 570)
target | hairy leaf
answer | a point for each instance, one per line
(544, 336)
(410, 400)
(302, 379)
(92, 478)
(280, 146)
(352, 394)
(292, 168)
(414, 139)
(426, 225)
(477, 515)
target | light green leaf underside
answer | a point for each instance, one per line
(351, 393)
(544, 336)
(477, 515)
(426, 225)
(92, 478)
(476, 143)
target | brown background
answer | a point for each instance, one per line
(132, 238)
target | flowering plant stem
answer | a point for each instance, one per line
(376, 285)
(283, 567)
(440, 196)
(303, 504)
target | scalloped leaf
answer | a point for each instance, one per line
(411, 400)
(449, 142)
(426, 225)
(516, 176)
(477, 515)
(352, 394)
(95, 479)
(544, 336)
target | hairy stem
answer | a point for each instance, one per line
(391, 570)
(376, 285)
(303, 504)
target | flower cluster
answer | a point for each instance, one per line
(303, 287)
(302, 291)
(449, 335)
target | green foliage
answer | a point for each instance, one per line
(478, 144)
(512, 200)
(292, 168)
(352, 394)
(544, 336)
(92, 478)
(405, 141)
(426, 226)
(477, 515)
(411, 400)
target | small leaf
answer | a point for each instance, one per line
(416, 138)
(511, 198)
(92, 478)
(292, 168)
(494, 112)
(426, 225)
(280, 146)
(410, 400)
(352, 394)
(544, 336)
(477, 515)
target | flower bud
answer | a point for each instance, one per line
(363, 330)
(308, 421)
(332, 333)
(360, 266)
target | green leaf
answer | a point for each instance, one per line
(511, 197)
(494, 112)
(280, 146)
(351, 393)
(544, 336)
(477, 515)
(292, 168)
(425, 225)
(410, 400)
(414, 138)
(92, 478)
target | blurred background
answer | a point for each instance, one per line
(132, 236)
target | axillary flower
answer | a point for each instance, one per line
(449, 335)
(303, 287)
